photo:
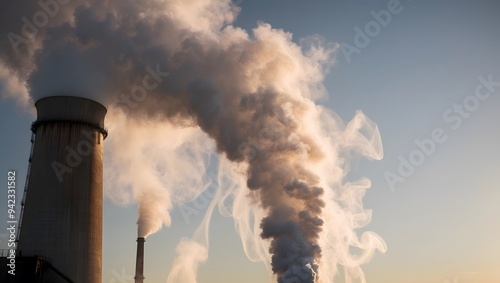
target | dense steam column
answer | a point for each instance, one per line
(62, 218)
(139, 261)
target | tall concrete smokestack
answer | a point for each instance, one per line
(139, 261)
(62, 214)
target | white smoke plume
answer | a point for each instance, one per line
(152, 162)
(180, 81)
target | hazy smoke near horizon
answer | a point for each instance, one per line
(180, 81)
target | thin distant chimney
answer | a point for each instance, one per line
(139, 263)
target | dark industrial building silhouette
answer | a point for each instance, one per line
(59, 237)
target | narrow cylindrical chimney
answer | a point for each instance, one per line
(139, 262)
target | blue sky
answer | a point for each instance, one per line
(442, 223)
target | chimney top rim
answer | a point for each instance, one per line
(70, 96)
